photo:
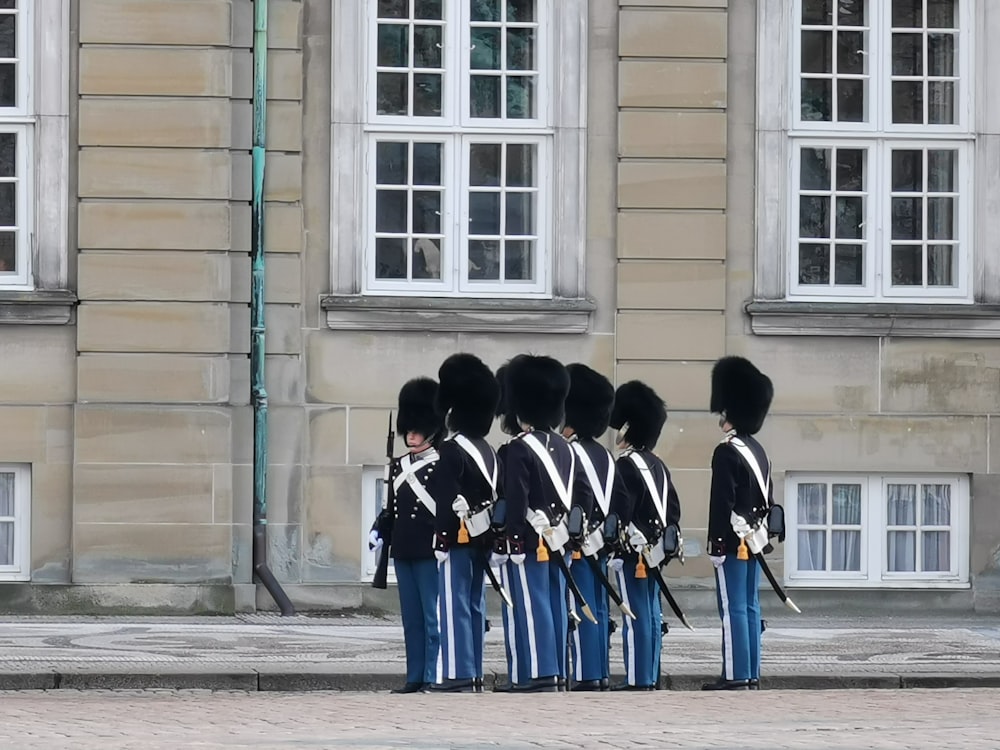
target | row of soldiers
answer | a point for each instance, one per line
(551, 515)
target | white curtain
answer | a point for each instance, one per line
(901, 510)
(935, 554)
(812, 511)
(845, 544)
(6, 526)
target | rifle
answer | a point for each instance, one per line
(380, 581)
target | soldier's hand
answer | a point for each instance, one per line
(440, 556)
(615, 564)
(497, 560)
(374, 541)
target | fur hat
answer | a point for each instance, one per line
(588, 405)
(742, 393)
(508, 422)
(468, 395)
(536, 389)
(416, 408)
(637, 405)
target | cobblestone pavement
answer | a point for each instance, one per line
(833, 720)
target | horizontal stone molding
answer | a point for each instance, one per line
(366, 313)
(782, 318)
(55, 307)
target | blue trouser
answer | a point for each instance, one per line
(590, 641)
(641, 638)
(460, 593)
(738, 596)
(532, 631)
(418, 597)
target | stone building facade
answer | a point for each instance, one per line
(634, 184)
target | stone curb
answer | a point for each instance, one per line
(252, 681)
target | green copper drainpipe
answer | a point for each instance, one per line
(258, 393)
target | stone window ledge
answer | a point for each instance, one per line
(352, 312)
(782, 318)
(51, 307)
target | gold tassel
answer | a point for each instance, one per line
(541, 553)
(640, 568)
(576, 554)
(463, 533)
(742, 553)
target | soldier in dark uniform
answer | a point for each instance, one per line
(407, 522)
(645, 504)
(465, 487)
(538, 478)
(740, 498)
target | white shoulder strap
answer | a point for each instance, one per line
(744, 450)
(660, 501)
(408, 475)
(602, 493)
(563, 490)
(473, 452)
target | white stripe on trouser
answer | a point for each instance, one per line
(449, 617)
(529, 618)
(629, 633)
(578, 656)
(511, 626)
(727, 625)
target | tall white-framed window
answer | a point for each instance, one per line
(869, 186)
(15, 522)
(883, 530)
(17, 124)
(372, 500)
(465, 117)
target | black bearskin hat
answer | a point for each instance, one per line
(536, 389)
(588, 405)
(416, 408)
(508, 421)
(638, 405)
(742, 393)
(468, 395)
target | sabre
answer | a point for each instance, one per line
(595, 566)
(498, 587)
(774, 584)
(658, 577)
(558, 557)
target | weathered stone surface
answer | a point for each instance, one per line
(671, 285)
(283, 228)
(151, 434)
(161, 121)
(672, 33)
(670, 335)
(666, 134)
(282, 279)
(139, 71)
(143, 493)
(940, 376)
(156, 22)
(671, 184)
(332, 533)
(674, 83)
(328, 437)
(284, 329)
(287, 430)
(195, 327)
(648, 234)
(154, 226)
(154, 173)
(24, 436)
(155, 276)
(51, 521)
(47, 354)
(683, 385)
(150, 378)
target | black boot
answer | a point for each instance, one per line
(605, 683)
(721, 684)
(410, 687)
(537, 685)
(477, 685)
(755, 684)
(587, 686)
(465, 685)
(626, 686)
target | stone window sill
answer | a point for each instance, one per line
(355, 312)
(784, 318)
(46, 307)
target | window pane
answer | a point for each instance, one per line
(941, 14)
(851, 100)
(936, 505)
(851, 12)
(845, 550)
(520, 214)
(390, 211)
(814, 216)
(941, 168)
(521, 97)
(812, 550)
(520, 165)
(901, 505)
(393, 45)
(8, 84)
(427, 94)
(427, 163)
(941, 102)
(902, 551)
(7, 494)
(941, 218)
(907, 102)
(936, 554)
(816, 99)
(485, 52)
(817, 12)
(520, 49)
(426, 212)
(8, 204)
(907, 171)
(817, 52)
(941, 265)
(427, 9)
(814, 264)
(484, 164)
(390, 258)
(8, 251)
(518, 260)
(907, 54)
(520, 11)
(484, 260)
(850, 217)
(426, 259)
(850, 169)
(391, 163)
(849, 269)
(485, 96)
(484, 213)
(393, 8)
(941, 54)
(427, 46)
(6, 543)
(814, 172)
(907, 269)
(8, 35)
(907, 218)
(847, 504)
(907, 14)
(392, 94)
(486, 10)
(812, 504)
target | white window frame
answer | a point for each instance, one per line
(874, 571)
(21, 569)
(561, 246)
(371, 478)
(779, 126)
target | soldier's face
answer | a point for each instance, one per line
(416, 440)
